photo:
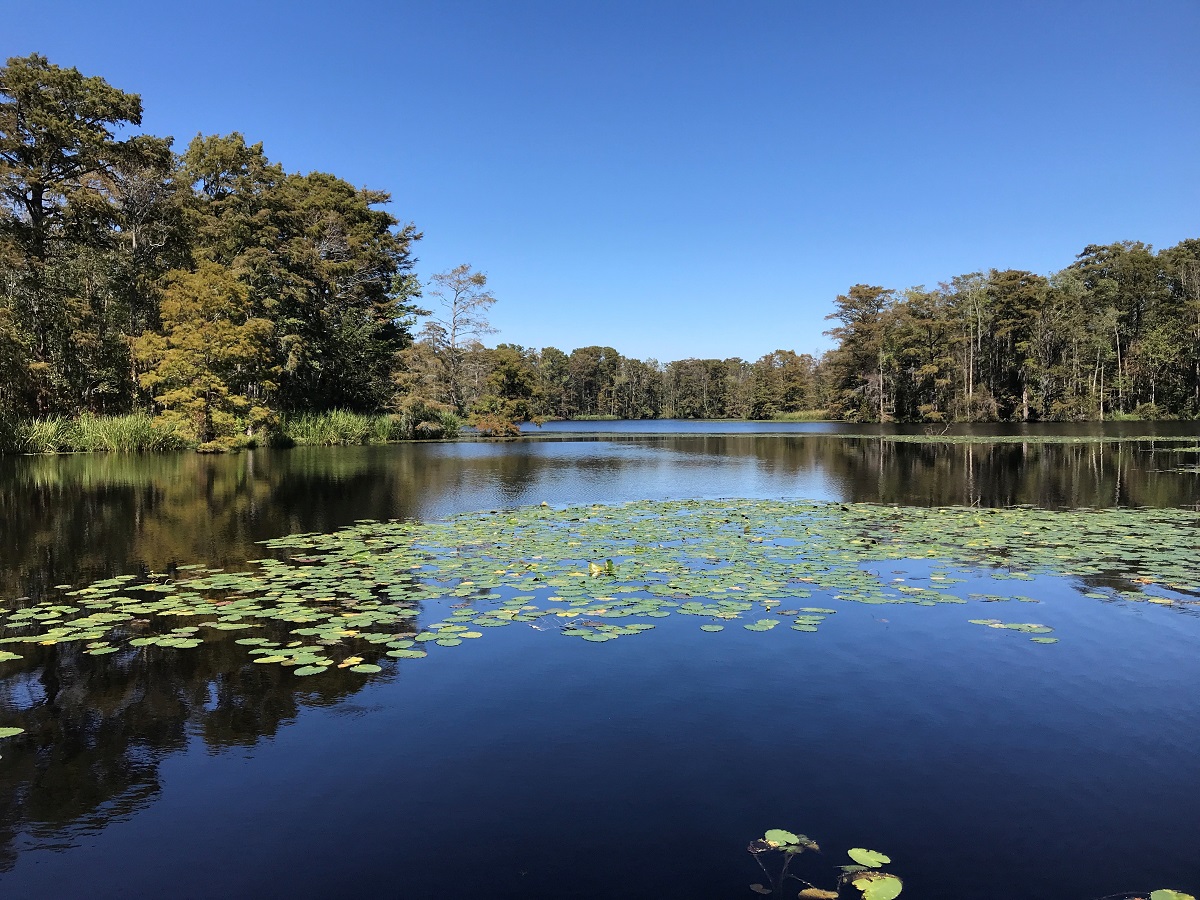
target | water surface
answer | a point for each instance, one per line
(531, 765)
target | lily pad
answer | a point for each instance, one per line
(878, 885)
(777, 837)
(871, 858)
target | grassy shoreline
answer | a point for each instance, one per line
(139, 433)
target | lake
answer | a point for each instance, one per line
(550, 758)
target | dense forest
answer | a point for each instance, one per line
(224, 296)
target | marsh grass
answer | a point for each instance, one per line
(134, 433)
(803, 415)
(140, 433)
(340, 427)
(335, 428)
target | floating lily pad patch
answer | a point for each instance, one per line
(362, 594)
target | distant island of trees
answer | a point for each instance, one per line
(213, 299)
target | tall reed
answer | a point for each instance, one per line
(133, 433)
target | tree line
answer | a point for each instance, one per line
(1114, 334)
(221, 293)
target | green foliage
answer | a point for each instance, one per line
(416, 420)
(209, 370)
(102, 241)
(337, 427)
(803, 415)
(422, 419)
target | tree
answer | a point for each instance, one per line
(210, 369)
(67, 211)
(56, 142)
(457, 325)
(554, 383)
(863, 359)
(331, 272)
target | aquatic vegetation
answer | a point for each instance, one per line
(1025, 627)
(132, 433)
(363, 595)
(339, 427)
(863, 875)
(872, 859)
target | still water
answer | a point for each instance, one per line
(529, 765)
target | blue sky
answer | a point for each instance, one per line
(688, 178)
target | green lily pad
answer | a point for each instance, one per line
(11, 732)
(777, 837)
(871, 858)
(878, 885)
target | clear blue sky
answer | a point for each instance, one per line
(688, 178)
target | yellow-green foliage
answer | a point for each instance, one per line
(209, 370)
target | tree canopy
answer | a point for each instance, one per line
(219, 291)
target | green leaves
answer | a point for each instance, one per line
(1165, 894)
(356, 597)
(877, 885)
(872, 859)
(777, 837)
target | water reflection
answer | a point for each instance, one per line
(64, 519)
(98, 729)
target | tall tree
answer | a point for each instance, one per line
(77, 287)
(459, 320)
(210, 370)
(863, 359)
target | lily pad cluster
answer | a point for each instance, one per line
(864, 875)
(1023, 627)
(599, 573)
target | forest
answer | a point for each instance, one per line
(208, 297)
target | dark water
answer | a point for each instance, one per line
(529, 765)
